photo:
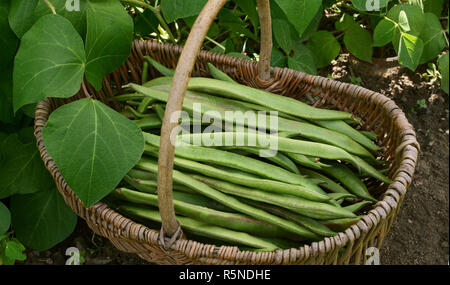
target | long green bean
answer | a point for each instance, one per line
(305, 207)
(229, 201)
(201, 228)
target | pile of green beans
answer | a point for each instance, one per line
(313, 187)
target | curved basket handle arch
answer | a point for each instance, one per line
(170, 226)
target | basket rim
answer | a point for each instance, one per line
(121, 227)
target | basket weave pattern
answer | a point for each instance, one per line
(379, 114)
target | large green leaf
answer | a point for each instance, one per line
(359, 42)
(108, 39)
(50, 62)
(302, 60)
(10, 251)
(282, 33)
(93, 147)
(369, 5)
(300, 12)
(412, 12)
(8, 40)
(443, 67)
(5, 218)
(325, 47)
(21, 169)
(383, 33)
(410, 50)
(42, 220)
(75, 16)
(21, 15)
(433, 38)
(176, 9)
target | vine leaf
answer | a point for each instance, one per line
(76, 17)
(5, 218)
(282, 34)
(42, 220)
(359, 42)
(21, 15)
(302, 60)
(176, 9)
(433, 38)
(108, 39)
(409, 51)
(295, 10)
(21, 168)
(93, 147)
(50, 62)
(383, 33)
(325, 47)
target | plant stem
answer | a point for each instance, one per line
(157, 12)
(85, 89)
(50, 6)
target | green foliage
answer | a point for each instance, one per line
(11, 249)
(108, 39)
(50, 62)
(104, 147)
(21, 169)
(41, 220)
(47, 56)
(176, 9)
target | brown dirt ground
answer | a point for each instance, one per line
(420, 233)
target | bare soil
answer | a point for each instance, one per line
(420, 233)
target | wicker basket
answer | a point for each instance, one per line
(379, 114)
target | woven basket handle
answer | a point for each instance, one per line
(170, 226)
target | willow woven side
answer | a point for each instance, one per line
(380, 115)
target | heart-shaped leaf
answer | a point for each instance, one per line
(42, 220)
(11, 250)
(5, 218)
(21, 168)
(93, 147)
(300, 12)
(383, 33)
(433, 38)
(325, 47)
(69, 10)
(409, 51)
(108, 39)
(50, 62)
(359, 42)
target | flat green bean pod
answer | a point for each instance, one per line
(316, 210)
(201, 228)
(245, 179)
(229, 201)
(232, 160)
(257, 96)
(233, 221)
